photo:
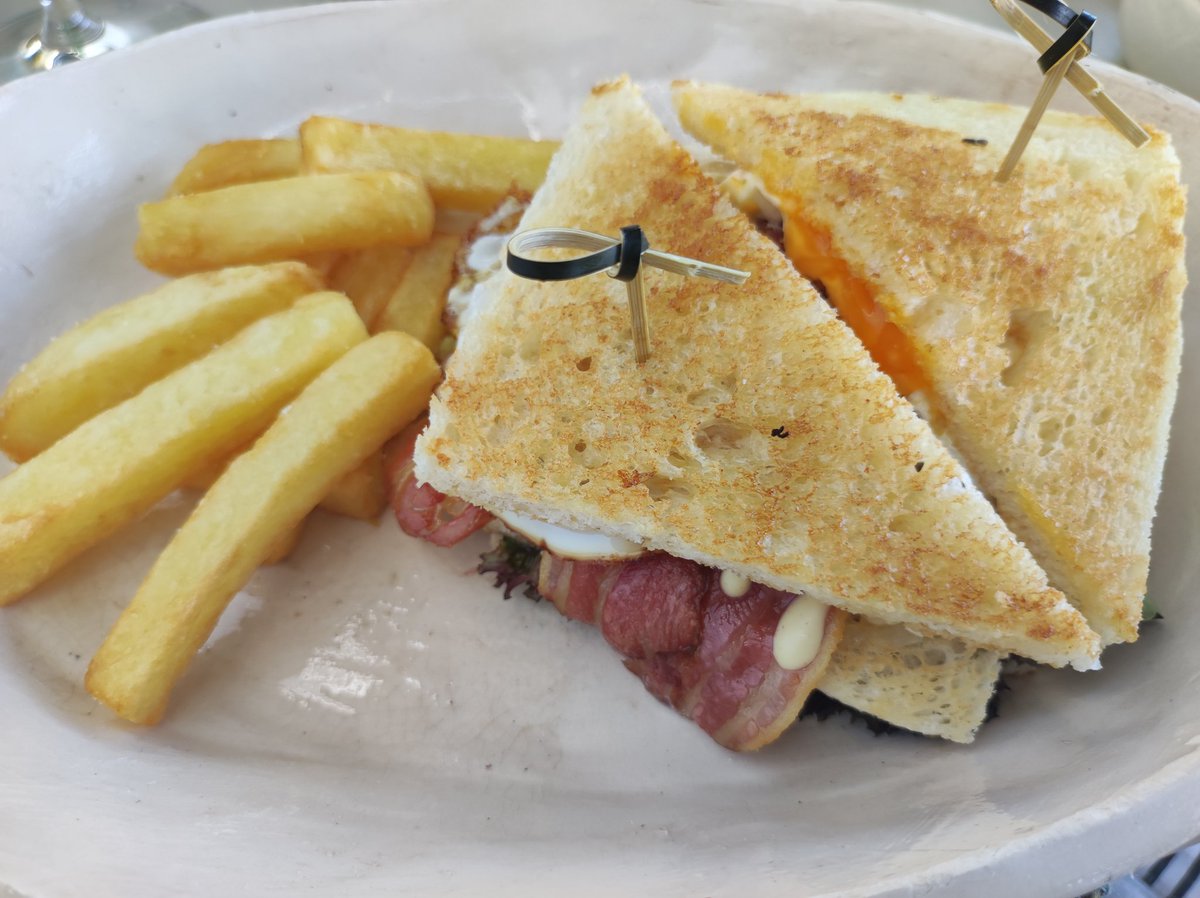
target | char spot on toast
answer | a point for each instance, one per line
(585, 363)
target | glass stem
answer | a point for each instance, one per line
(66, 26)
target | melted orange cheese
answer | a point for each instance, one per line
(810, 249)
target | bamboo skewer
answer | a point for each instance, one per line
(1050, 84)
(1079, 77)
(637, 317)
(623, 259)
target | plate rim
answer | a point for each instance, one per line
(1175, 785)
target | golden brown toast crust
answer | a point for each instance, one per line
(545, 412)
(1045, 310)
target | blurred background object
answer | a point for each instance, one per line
(37, 36)
(1161, 40)
(19, 19)
(1175, 876)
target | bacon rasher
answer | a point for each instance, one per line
(706, 654)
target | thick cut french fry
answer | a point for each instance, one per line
(370, 276)
(463, 171)
(237, 162)
(116, 466)
(360, 494)
(116, 354)
(323, 263)
(283, 219)
(417, 304)
(341, 418)
(285, 545)
(201, 479)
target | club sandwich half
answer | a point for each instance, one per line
(1037, 320)
(751, 499)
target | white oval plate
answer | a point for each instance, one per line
(371, 717)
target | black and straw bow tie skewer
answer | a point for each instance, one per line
(1060, 60)
(622, 259)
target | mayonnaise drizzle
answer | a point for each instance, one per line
(565, 543)
(798, 633)
(734, 584)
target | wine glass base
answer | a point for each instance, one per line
(39, 58)
(125, 23)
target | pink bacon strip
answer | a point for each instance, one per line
(420, 510)
(707, 655)
(723, 676)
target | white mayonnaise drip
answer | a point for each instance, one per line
(798, 633)
(487, 252)
(485, 257)
(734, 585)
(566, 543)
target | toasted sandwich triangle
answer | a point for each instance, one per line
(1044, 312)
(545, 412)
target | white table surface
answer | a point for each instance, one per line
(1107, 41)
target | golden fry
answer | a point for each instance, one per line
(116, 466)
(201, 479)
(323, 263)
(284, 219)
(463, 171)
(416, 306)
(357, 495)
(116, 354)
(360, 494)
(370, 276)
(283, 547)
(237, 162)
(341, 418)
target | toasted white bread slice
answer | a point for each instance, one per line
(759, 437)
(1044, 312)
(930, 685)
